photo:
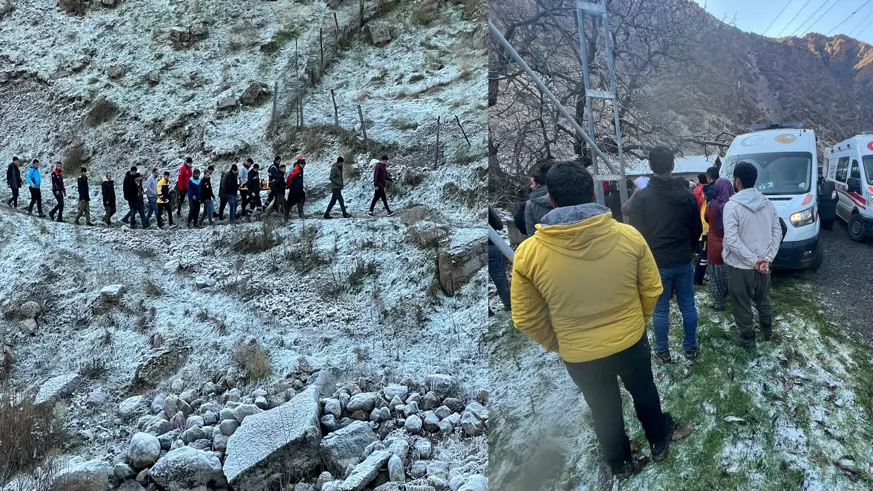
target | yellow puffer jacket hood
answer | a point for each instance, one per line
(584, 285)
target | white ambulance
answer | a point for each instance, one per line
(787, 162)
(850, 168)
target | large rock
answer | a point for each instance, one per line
(132, 406)
(112, 293)
(476, 482)
(459, 262)
(158, 364)
(92, 475)
(254, 93)
(365, 401)
(362, 475)
(282, 440)
(188, 468)
(441, 385)
(345, 446)
(57, 388)
(144, 450)
(29, 309)
(378, 34)
(224, 104)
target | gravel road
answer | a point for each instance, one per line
(844, 281)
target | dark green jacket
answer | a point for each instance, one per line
(336, 177)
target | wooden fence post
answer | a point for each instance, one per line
(273, 110)
(297, 81)
(436, 160)
(336, 23)
(321, 49)
(462, 131)
(335, 109)
(364, 128)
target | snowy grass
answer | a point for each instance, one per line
(804, 404)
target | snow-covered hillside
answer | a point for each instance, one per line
(174, 337)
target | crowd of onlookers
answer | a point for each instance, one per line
(156, 193)
(585, 285)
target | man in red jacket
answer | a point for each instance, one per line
(381, 178)
(182, 184)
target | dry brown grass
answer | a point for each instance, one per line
(28, 433)
(254, 360)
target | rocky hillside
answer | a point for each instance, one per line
(326, 355)
(744, 77)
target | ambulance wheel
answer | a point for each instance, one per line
(856, 228)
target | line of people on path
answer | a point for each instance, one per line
(239, 192)
(585, 285)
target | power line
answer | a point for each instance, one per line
(860, 24)
(777, 16)
(822, 16)
(792, 19)
(811, 16)
(847, 18)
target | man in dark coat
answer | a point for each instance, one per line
(136, 203)
(381, 178)
(276, 177)
(13, 179)
(84, 205)
(128, 191)
(336, 187)
(667, 215)
(108, 191)
(497, 262)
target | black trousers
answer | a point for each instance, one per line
(13, 201)
(59, 207)
(35, 197)
(110, 210)
(137, 207)
(380, 194)
(193, 210)
(169, 209)
(337, 197)
(598, 381)
(700, 267)
(295, 199)
(244, 202)
(222, 204)
(181, 195)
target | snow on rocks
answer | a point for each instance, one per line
(112, 293)
(57, 388)
(92, 475)
(283, 439)
(158, 364)
(132, 406)
(29, 310)
(345, 446)
(144, 450)
(187, 468)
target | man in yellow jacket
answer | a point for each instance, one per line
(585, 286)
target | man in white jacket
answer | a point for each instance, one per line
(752, 235)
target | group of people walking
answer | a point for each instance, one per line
(239, 192)
(585, 285)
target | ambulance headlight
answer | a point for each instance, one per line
(802, 218)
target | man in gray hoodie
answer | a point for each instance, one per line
(752, 234)
(538, 204)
